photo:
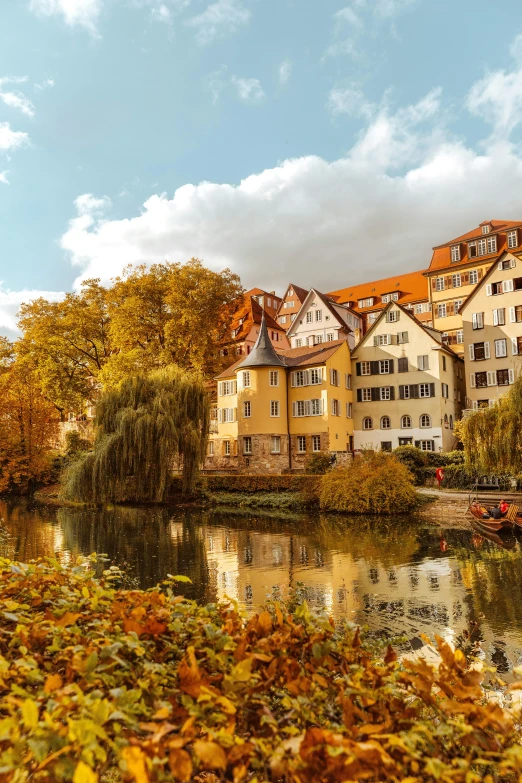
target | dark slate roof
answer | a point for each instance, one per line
(307, 356)
(263, 353)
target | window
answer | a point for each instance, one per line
(426, 445)
(247, 409)
(512, 239)
(444, 364)
(515, 314)
(455, 253)
(425, 420)
(503, 377)
(424, 390)
(406, 422)
(292, 317)
(301, 444)
(247, 445)
(365, 302)
(390, 297)
(385, 393)
(372, 317)
(316, 407)
(274, 408)
(298, 342)
(493, 289)
(385, 423)
(318, 315)
(366, 395)
(402, 337)
(336, 408)
(366, 368)
(309, 317)
(485, 229)
(316, 443)
(442, 310)
(334, 377)
(499, 317)
(349, 409)
(492, 245)
(477, 320)
(439, 284)
(290, 302)
(445, 390)
(481, 380)
(299, 378)
(456, 279)
(275, 336)
(348, 380)
(227, 448)
(211, 448)
(405, 441)
(451, 421)
(386, 445)
(423, 362)
(246, 379)
(318, 339)
(472, 249)
(383, 339)
(282, 319)
(482, 247)
(500, 348)
(274, 377)
(316, 376)
(406, 393)
(227, 415)
(269, 302)
(403, 364)
(329, 337)
(473, 277)
(367, 423)
(299, 408)
(384, 366)
(509, 263)
(392, 316)
(460, 336)
(228, 387)
(275, 444)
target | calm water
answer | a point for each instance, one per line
(395, 578)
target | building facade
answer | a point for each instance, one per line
(408, 385)
(290, 305)
(321, 320)
(460, 265)
(246, 323)
(275, 409)
(492, 325)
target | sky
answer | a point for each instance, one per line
(319, 142)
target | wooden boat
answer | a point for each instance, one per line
(511, 519)
(503, 538)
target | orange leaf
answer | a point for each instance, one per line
(154, 627)
(210, 754)
(69, 618)
(135, 760)
(130, 625)
(264, 624)
(53, 683)
(189, 674)
(180, 765)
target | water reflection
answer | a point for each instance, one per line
(396, 579)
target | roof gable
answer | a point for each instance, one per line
(329, 306)
(493, 268)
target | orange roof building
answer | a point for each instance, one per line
(369, 299)
(246, 322)
(290, 305)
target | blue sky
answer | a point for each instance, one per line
(324, 143)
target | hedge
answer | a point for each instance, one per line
(250, 483)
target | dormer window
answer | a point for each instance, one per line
(366, 302)
(485, 229)
(492, 244)
(512, 239)
(290, 292)
(455, 253)
(472, 249)
(390, 297)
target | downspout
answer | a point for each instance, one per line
(288, 423)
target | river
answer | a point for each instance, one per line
(399, 579)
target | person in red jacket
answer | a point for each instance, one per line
(503, 506)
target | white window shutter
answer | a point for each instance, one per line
(474, 320)
(507, 286)
(514, 346)
(495, 317)
(512, 315)
(489, 290)
(491, 403)
(321, 406)
(331, 377)
(492, 378)
(234, 387)
(472, 352)
(499, 266)
(375, 340)
(487, 354)
(398, 315)
(472, 380)
(219, 416)
(220, 384)
(308, 407)
(474, 405)
(511, 375)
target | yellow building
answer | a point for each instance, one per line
(409, 386)
(275, 409)
(459, 265)
(492, 323)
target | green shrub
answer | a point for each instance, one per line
(457, 477)
(318, 464)
(280, 500)
(375, 483)
(244, 483)
(414, 459)
(440, 458)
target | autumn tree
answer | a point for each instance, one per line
(28, 426)
(67, 342)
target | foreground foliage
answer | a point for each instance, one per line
(491, 436)
(141, 428)
(374, 483)
(103, 684)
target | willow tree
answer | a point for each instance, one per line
(492, 436)
(143, 428)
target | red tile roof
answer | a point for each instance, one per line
(441, 258)
(412, 287)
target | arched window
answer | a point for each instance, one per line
(406, 422)
(446, 420)
(385, 423)
(425, 420)
(367, 423)
(451, 422)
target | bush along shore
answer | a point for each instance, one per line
(105, 685)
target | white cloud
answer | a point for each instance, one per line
(84, 13)
(14, 98)
(285, 70)
(46, 84)
(3, 177)
(348, 16)
(497, 98)
(349, 100)
(217, 82)
(10, 139)
(248, 90)
(10, 302)
(388, 9)
(219, 18)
